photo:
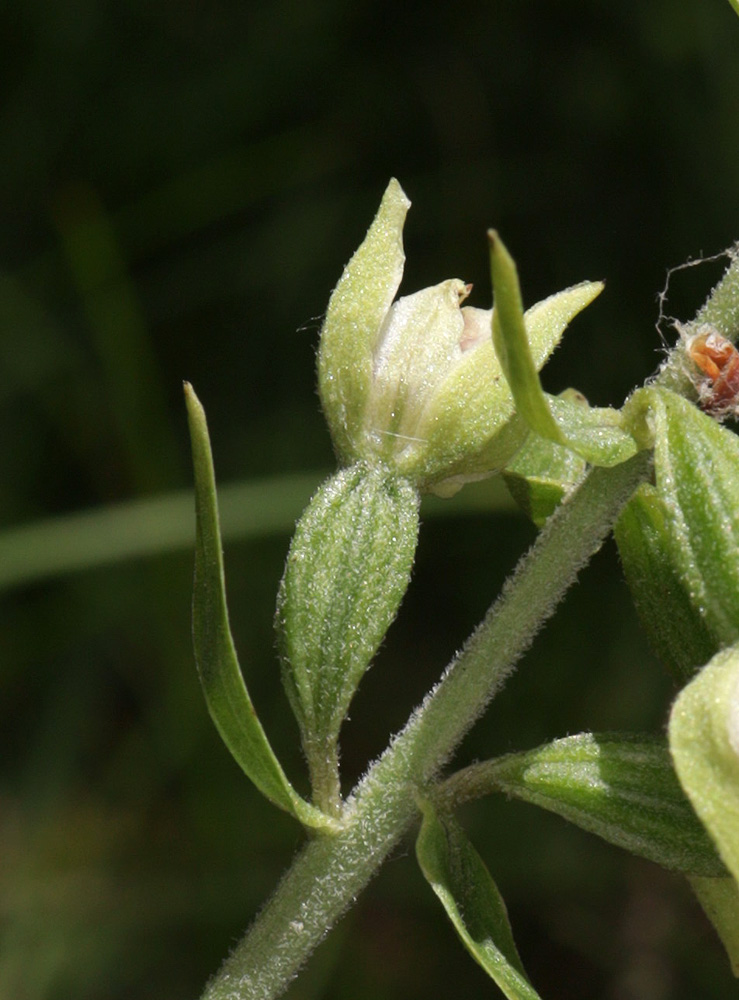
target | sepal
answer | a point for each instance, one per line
(596, 435)
(415, 384)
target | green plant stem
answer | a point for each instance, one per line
(332, 869)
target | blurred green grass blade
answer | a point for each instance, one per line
(154, 526)
(225, 692)
(459, 877)
(135, 529)
(119, 335)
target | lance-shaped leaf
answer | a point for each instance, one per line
(470, 425)
(697, 476)
(226, 695)
(540, 476)
(593, 432)
(543, 472)
(596, 435)
(460, 879)
(621, 787)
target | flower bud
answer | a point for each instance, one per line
(416, 385)
(346, 573)
(679, 540)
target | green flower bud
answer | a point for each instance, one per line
(346, 573)
(676, 630)
(679, 540)
(416, 385)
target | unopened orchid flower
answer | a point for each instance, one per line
(415, 384)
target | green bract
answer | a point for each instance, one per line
(679, 538)
(416, 384)
(223, 685)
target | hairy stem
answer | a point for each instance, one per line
(332, 869)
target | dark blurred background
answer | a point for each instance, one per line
(180, 186)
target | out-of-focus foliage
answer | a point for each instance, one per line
(180, 187)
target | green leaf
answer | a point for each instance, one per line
(460, 879)
(346, 573)
(621, 787)
(721, 308)
(704, 740)
(226, 695)
(542, 472)
(512, 344)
